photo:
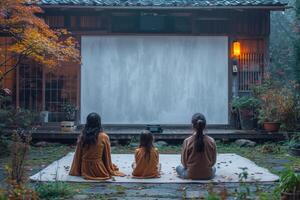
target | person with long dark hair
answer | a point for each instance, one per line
(199, 153)
(92, 159)
(146, 158)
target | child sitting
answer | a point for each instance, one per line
(146, 158)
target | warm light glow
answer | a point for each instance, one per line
(236, 49)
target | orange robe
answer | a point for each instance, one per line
(94, 162)
(146, 168)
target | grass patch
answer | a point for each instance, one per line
(122, 149)
(120, 190)
(54, 190)
(172, 149)
(45, 155)
(38, 158)
(273, 156)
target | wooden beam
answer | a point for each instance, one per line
(272, 7)
(120, 14)
(180, 14)
(211, 19)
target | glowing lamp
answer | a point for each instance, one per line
(236, 49)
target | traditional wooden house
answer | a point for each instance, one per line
(151, 61)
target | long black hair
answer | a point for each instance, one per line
(146, 142)
(199, 123)
(91, 129)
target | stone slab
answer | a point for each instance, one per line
(229, 166)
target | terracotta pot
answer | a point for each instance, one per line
(271, 126)
(290, 196)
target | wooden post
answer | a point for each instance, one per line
(18, 87)
(43, 89)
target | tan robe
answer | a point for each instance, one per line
(199, 164)
(94, 162)
(146, 168)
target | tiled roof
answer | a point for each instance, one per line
(165, 3)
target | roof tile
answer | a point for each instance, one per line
(166, 3)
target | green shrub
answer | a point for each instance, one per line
(4, 146)
(18, 119)
(212, 197)
(270, 148)
(294, 142)
(271, 195)
(54, 190)
(278, 103)
(2, 195)
(20, 192)
(69, 110)
(289, 182)
(245, 102)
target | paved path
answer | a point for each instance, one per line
(160, 191)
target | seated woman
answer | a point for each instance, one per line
(146, 158)
(92, 159)
(198, 154)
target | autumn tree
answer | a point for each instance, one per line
(32, 37)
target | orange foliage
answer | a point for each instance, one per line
(34, 39)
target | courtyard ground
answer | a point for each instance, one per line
(273, 156)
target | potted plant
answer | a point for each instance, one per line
(69, 111)
(271, 111)
(245, 107)
(278, 105)
(294, 145)
(289, 185)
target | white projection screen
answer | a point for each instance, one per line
(154, 79)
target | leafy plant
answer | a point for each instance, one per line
(212, 197)
(272, 195)
(5, 101)
(271, 103)
(294, 142)
(21, 192)
(243, 192)
(21, 118)
(270, 148)
(19, 150)
(245, 102)
(246, 109)
(2, 195)
(17, 177)
(54, 190)
(278, 102)
(17, 119)
(289, 182)
(70, 111)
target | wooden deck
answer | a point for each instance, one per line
(170, 133)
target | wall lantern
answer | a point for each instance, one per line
(236, 49)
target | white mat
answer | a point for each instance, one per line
(228, 168)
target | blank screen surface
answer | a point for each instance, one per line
(154, 79)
